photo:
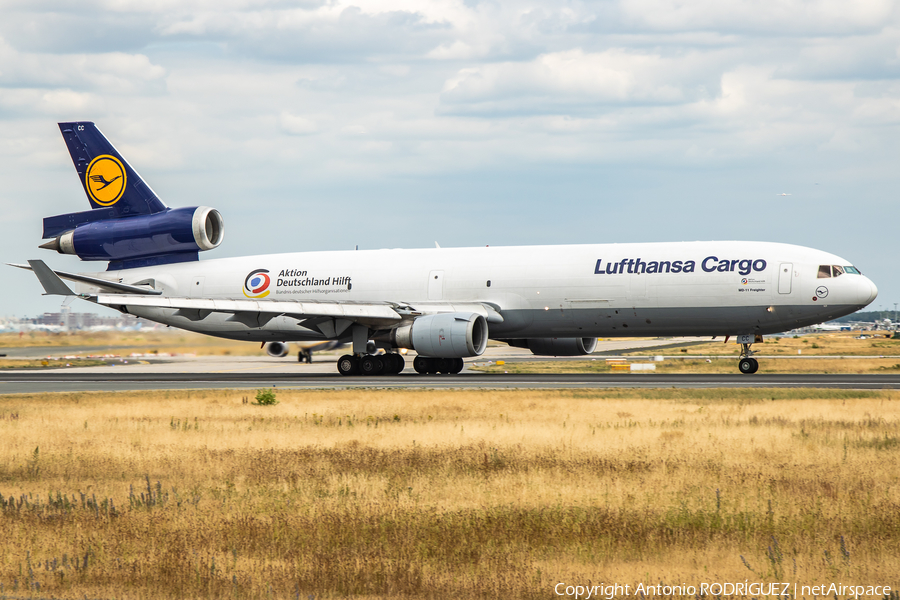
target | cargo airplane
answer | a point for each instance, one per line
(444, 303)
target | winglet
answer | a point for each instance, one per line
(53, 285)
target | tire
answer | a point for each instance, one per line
(457, 366)
(445, 365)
(420, 364)
(745, 366)
(394, 363)
(348, 365)
(371, 365)
(755, 365)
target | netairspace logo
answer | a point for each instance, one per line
(745, 588)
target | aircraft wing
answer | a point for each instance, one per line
(201, 307)
(331, 317)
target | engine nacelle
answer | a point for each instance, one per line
(170, 232)
(556, 346)
(445, 335)
(277, 349)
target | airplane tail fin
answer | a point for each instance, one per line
(107, 178)
(113, 188)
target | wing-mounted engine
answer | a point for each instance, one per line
(277, 349)
(556, 346)
(173, 235)
(444, 335)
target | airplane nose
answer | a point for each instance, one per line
(867, 291)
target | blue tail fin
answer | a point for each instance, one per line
(108, 180)
(113, 188)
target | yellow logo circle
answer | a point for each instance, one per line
(105, 180)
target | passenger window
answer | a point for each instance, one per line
(838, 271)
(824, 271)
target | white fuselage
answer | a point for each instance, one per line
(641, 289)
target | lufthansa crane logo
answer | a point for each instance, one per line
(105, 180)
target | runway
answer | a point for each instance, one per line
(145, 372)
(67, 381)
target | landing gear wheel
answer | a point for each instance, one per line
(348, 365)
(458, 365)
(420, 364)
(748, 365)
(399, 364)
(371, 365)
(390, 364)
(445, 365)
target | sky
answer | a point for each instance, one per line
(323, 125)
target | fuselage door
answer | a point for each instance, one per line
(436, 285)
(785, 271)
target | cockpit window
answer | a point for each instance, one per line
(838, 271)
(824, 271)
(852, 271)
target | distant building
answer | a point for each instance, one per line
(69, 320)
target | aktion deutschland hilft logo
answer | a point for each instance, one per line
(256, 285)
(105, 180)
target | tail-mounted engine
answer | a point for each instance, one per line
(556, 346)
(173, 235)
(445, 335)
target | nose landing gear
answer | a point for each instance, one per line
(747, 364)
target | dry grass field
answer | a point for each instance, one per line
(444, 494)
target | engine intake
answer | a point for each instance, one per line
(556, 346)
(277, 349)
(445, 335)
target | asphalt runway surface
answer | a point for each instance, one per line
(253, 372)
(67, 381)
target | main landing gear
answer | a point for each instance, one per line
(430, 366)
(371, 364)
(747, 364)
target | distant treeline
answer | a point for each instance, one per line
(869, 315)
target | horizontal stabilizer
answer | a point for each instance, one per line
(103, 284)
(53, 285)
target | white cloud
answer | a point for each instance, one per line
(779, 17)
(296, 125)
(574, 80)
(107, 73)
